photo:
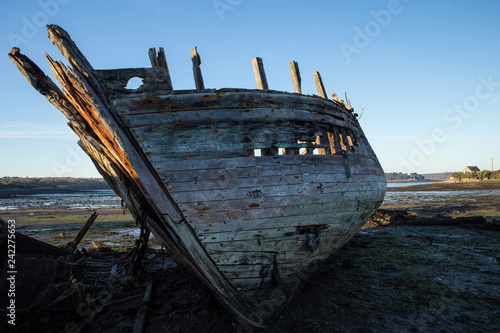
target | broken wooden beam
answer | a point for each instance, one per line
(158, 60)
(260, 74)
(71, 246)
(297, 81)
(198, 78)
(319, 85)
(139, 251)
(153, 58)
(140, 321)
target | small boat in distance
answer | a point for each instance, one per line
(249, 189)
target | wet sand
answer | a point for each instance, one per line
(463, 199)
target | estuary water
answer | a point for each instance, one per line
(76, 200)
(108, 199)
(405, 184)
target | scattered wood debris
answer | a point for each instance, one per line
(402, 217)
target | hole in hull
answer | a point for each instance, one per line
(134, 83)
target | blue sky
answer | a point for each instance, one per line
(424, 75)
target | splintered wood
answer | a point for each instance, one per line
(198, 78)
(297, 81)
(260, 74)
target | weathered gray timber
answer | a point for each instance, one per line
(159, 60)
(319, 85)
(260, 74)
(297, 81)
(198, 78)
(249, 189)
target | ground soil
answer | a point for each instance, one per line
(389, 278)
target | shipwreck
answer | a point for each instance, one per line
(249, 189)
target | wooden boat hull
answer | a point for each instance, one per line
(249, 189)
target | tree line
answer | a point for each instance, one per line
(481, 175)
(52, 182)
(399, 176)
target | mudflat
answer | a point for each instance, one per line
(450, 186)
(389, 278)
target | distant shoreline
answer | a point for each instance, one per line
(15, 186)
(414, 181)
(9, 193)
(493, 184)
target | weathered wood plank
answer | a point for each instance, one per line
(319, 85)
(291, 245)
(319, 218)
(45, 86)
(297, 81)
(249, 258)
(260, 74)
(350, 201)
(236, 137)
(316, 161)
(287, 266)
(321, 180)
(228, 170)
(253, 271)
(287, 232)
(252, 235)
(74, 243)
(243, 127)
(223, 99)
(152, 57)
(336, 140)
(192, 119)
(189, 128)
(144, 309)
(114, 81)
(198, 78)
(277, 217)
(162, 59)
(273, 191)
(330, 203)
(358, 172)
(265, 245)
(159, 60)
(241, 279)
(215, 147)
